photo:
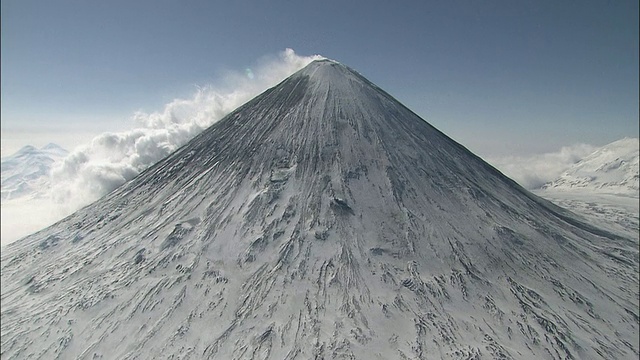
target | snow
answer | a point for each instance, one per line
(26, 173)
(322, 219)
(612, 169)
(614, 212)
(602, 187)
(26, 207)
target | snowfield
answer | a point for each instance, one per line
(321, 220)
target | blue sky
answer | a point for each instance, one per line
(500, 77)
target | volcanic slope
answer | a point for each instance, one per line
(322, 219)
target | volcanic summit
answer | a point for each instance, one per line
(325, 220)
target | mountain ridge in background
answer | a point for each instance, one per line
(26, 173)
(322, 219)
(612, 169)
(602, 187)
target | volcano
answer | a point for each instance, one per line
(321, 220)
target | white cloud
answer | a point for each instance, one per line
(112, 158)
(535, 170)
(22, 217)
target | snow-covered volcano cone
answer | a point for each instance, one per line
(322, 219)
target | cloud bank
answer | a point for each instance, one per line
(536, 170)
(111, 159)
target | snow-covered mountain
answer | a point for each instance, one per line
(26, 173)
(602, 187)
(613, 169)
(322, 219)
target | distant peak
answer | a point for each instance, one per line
(328, 70)
(50, 146)
(325, 61)
(26, 149)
